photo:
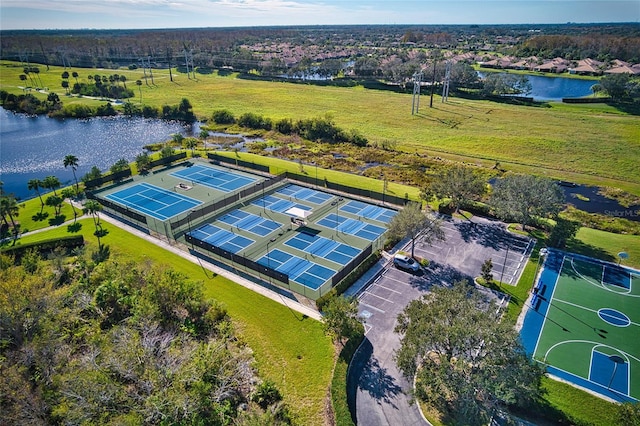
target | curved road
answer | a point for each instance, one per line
(377, 391)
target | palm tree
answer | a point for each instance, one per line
(9, 207)
(35, 185)
(36, 71)
(55, 202)
(123, 79)
(27, 71)
(51, 182)
(191, 143)
(23, 78)
(177, 138)
(65, 85)
(68, 194)
(72, 160)
(92, 207)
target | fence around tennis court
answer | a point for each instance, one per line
(365, 193)
(179, 227)
(281, 279)
(225, 202)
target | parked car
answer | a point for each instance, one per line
(405, 262)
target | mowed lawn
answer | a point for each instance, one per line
(595, 144)
(289, 349)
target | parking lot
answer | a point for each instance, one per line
(382, 394)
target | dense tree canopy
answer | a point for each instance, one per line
(414, 223)
(467, 362)
(117, 343)
(506, 84)
(341, 318)
(459, 184)
(523, 197)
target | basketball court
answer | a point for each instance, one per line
(583, 324)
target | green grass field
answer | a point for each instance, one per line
(587, 144)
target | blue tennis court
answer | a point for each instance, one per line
(222, 238)
(153, 201)
(214, 177)
(352, 226)
(369, 211)
(301, 193)
(277, 204)
(323, 247)
(300, 270)
(250, 222)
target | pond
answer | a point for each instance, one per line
(35, 147)
(546, 88)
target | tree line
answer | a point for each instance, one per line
(320, 129)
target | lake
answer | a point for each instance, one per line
(35, 147)
(545, 88)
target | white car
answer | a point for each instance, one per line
(403, 261)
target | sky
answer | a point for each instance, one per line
(126, 14)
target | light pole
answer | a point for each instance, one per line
(384, 187)
(505, 262)
(264, 209)
(268, 258)
(189, 221)
(316, 164)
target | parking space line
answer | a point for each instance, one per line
(372, 307)
(379, 297)
(387, 288)
(398, 281)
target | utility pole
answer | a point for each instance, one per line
(415, 105)
(445, 86)
(188, 60)
(433, 81)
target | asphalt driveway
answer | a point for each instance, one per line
(381, 395)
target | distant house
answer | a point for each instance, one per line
(465, 57)
(525, 64)
(624, 69)
(587, 67)
(502, 62)
(556, 65)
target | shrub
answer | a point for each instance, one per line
(284, 126)
(266, 394)
(223, 116)
(255, 121)
(44, 247)
(77, 111)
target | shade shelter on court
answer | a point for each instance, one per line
(298, 215)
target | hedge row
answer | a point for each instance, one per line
(44, 247)
(339, 401)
